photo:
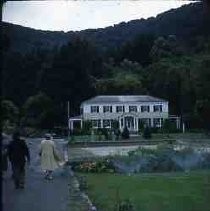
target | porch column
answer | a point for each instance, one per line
(81, 123)
(178, 123)
(71, 124)
(183, 127)
(152, 122)
(137, 124)
(101, 122)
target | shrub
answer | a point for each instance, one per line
(100, 136)
(115, 124)
(147, 133)
(86, 128)
(169, 127)
(76, 132)
(164, 159)
(125, 133)
(117, 134)
(141, 126)
(154, 129)
(72, 139)
(104, 132)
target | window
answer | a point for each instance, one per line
(157, 108)
(132, 108)
(144, 108)
(96, 123)
(94, 109)
(121, 122)
(106, 123)
(157, 122)
(146, 122)
(107, 109)
(120, 109)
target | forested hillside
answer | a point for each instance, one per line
(167, 56)
(183, 22)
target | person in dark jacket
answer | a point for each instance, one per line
(17, 153)
(5, 143)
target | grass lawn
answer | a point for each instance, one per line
(152, 192)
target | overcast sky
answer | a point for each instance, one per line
(70, 15)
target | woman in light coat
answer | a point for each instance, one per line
(49, 156)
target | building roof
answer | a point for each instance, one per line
(122, 99)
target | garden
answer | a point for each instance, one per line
(148, 179)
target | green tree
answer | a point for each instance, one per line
(165, 47)
(38, 112)
(202, 106)
(125, 78)
(138, 49)
(24, 74)
(70, 72)
(9, 113)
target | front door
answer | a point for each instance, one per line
(129, 122)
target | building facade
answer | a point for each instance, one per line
(132, 111)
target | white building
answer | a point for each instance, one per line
(128, 110)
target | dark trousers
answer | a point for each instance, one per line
(4, 162)
(18, 174)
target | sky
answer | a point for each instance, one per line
(70, 15)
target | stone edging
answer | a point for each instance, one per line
(91, 207)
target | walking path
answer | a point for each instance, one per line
(60, 194)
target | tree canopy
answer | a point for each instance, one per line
(158, 61)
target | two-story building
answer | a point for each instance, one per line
(128, 110)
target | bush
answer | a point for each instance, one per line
(100, 136)
(154, 129)
(115, 124)
(164, 159)
(117, 134)
(125, 133)
(103, 132)
(141, 126)
(86, 128)
(147, 133)
(169, 127)
(76, 132)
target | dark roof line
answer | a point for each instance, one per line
(123, 99)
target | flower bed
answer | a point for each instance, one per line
(164, 159)
(98, 166)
